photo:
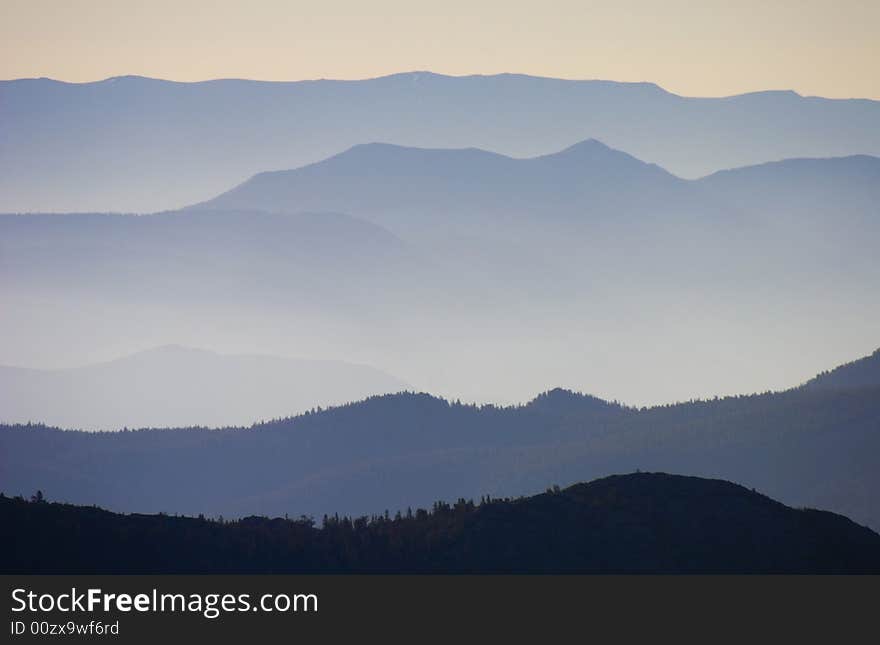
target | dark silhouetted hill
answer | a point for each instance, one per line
(640, 523)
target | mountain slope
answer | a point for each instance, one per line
(140, 144)
(641, 523)
(798, 188)
(178, 386)
(864, 372)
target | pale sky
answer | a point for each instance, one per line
(706, 48)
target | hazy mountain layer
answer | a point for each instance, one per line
(415, 190)
(139, 144)
(474, 275)
(807, 447)
(234, 257)
(178, 386)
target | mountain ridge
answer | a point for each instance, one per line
(416, 75)
(573, 151)
(585, 190)
(408, 449)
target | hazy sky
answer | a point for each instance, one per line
(707, 48)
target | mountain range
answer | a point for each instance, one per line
(439, 265)
(140, 144)
(500, 236)
(810, 446)
(410, 189)
(600, 194)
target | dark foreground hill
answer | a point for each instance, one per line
(639, 523)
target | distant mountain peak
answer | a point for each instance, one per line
(587, 145)
(769, 94)
(413, 76)
(559, 393)
(591, 149)
(596, 156)
(384, 148)
(566, 402)
(587, 149)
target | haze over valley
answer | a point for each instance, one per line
(180, 386)
(473, 275)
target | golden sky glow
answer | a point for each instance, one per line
(707, 48)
